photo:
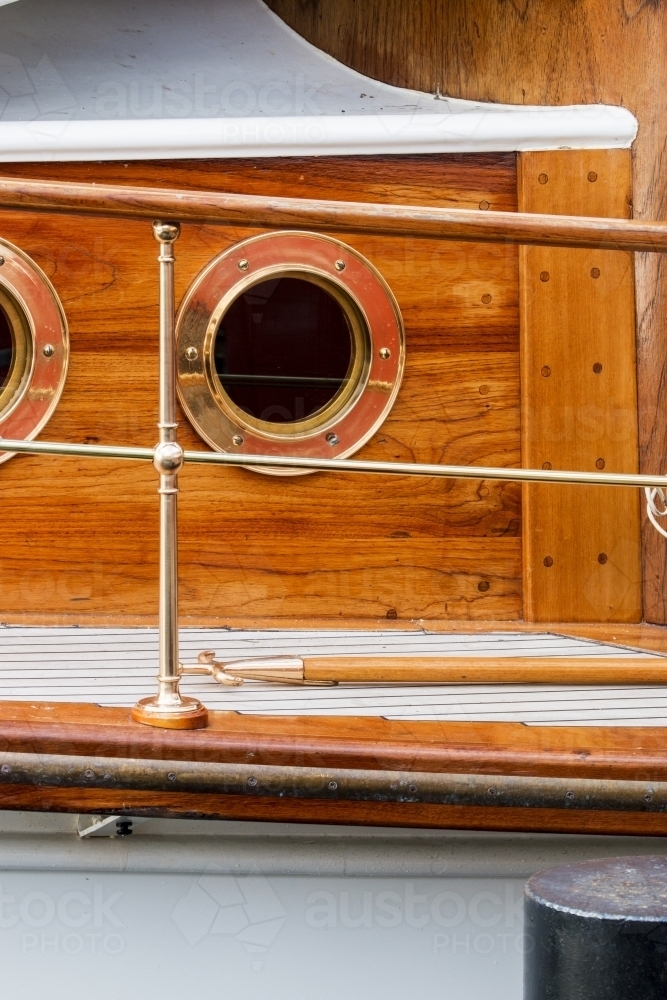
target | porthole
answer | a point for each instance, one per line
(289, 343)
(33, 347)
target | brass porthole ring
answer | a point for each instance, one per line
(289, 343)
(34, 347)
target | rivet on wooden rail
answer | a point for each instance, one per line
(602, 558)
(600, 463)
(543, 178)
(544, 275)
(483, 390)
(483, 586)
(486, 298)
(592, 176)
(484, 205)
(546, 465)
(546, 371)
(597, 367)
(595, 272)
(548, 561)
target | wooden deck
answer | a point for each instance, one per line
(68, 690)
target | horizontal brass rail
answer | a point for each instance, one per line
(333, 784)
(221, 208)
(564, 477)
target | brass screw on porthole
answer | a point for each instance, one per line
(48, 350)
(384, 353)
(340, 265)
(2, 261)
(333, 440)
(243, 265)
(192, 354)
(237, 440)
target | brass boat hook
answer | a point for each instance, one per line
(232, 673)
(413, 669)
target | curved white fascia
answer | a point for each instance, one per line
(488, 129)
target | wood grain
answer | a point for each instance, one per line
(81, 537)
(334, 741)
(115, 201)
(485, 748)
(379, 814)
(581, 552)
(538, 52)
(485, 669)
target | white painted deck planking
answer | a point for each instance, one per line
(115, 667)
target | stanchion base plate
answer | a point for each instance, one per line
(190, 714)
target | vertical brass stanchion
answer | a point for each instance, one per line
(168, 709)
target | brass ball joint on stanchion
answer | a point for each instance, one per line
(168, 709)
(597, 930)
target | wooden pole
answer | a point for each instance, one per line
(217, 208)
(415, 669)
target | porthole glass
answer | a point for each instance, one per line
(289, 343)
(15, 348)
(283, 350)
(6, 349)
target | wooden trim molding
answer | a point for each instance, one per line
(377, 744)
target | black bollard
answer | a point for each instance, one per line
(597, 931)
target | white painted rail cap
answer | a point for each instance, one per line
(84, 80)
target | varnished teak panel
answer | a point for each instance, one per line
(81, 536)
(579, 397)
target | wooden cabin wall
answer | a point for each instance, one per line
(538, 52)
(78, 539)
